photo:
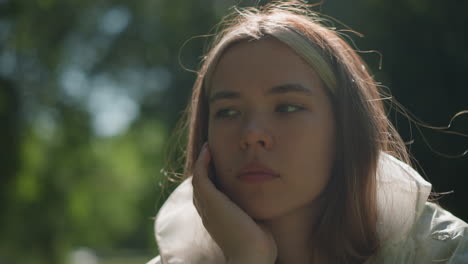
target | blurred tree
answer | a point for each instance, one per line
(79, 160)
(9, 160)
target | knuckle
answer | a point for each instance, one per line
(195, 182)
(204, 221)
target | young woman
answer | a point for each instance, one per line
(291, 158)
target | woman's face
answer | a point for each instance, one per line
(271, 129)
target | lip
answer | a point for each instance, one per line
(256, 172)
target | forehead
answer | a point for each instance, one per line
(260, 65)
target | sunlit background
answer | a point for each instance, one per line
(90, 91)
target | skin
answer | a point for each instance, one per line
(267, 106)
(217, 212)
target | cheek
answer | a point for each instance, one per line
(309, 147)
(222, 142)
(217, 139)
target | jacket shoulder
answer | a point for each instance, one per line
(440, 237)
(156, 260)
(437, 236)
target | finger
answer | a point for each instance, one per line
(201, 169)
(202, 191)
(207, 198)
(199, 207)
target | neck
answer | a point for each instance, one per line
(293, 234)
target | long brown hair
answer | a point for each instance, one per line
(347, 228)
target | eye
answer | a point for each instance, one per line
(226, 113)
(288, 108)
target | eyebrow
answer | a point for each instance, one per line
(279, 89)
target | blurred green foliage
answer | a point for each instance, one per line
(91, 90)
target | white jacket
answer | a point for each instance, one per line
(411, 229)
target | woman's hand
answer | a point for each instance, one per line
(240, 238)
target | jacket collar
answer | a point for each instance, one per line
(181, 237)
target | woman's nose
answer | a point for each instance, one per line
(255, 135)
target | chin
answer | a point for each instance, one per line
(262, 213)
(257, 206)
